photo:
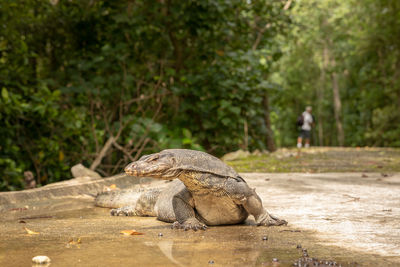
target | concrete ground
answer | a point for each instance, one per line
(352, 219)
(359, 212)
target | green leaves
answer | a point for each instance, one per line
(152, 74)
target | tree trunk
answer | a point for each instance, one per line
(246, 136)
(321, 95)
(398, 100)
(176, 43)
(337, 104)
(269, 138)
(396, 84)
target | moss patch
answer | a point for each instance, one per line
(322, 159)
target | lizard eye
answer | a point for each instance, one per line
(154, 158)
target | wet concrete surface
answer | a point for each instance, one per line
(342, 218)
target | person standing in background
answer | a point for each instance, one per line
(306, 121)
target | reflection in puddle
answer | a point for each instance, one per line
(166, 248)
(103, 245)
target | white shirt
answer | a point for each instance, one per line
(307, 121)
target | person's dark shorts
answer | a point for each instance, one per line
(305, 134)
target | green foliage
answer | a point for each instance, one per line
(376, 70)
(36, 133)
(130, 77)
(112, 80)
(359, 44)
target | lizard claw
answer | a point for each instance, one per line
(270, 220)
(189, 224)
(175, 225)
(127, 211)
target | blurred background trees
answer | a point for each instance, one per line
(103, 82)
(342, 58)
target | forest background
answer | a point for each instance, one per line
(103, 82)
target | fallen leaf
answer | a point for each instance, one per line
(21, 221)
(110, 188)
(130, 232)
(30, 232)
(72, 242)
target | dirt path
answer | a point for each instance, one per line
(348, 210)
(341, 217)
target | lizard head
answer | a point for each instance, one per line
(158, 165)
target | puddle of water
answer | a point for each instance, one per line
(336, 217)
(44, 208)
(103, 245)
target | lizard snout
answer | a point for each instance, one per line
(130, 169)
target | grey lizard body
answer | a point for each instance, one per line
(206, 192)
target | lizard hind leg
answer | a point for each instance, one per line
(144, 205)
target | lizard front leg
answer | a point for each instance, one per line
(183, 205)
(253, 206)
(251, 202)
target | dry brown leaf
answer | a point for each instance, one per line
(30, 232)
(72, 242)
(130, 232)
(110, 188)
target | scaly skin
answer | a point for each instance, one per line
(209, 192)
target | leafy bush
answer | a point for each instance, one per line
(102, 82)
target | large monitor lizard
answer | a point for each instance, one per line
(206, 192)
